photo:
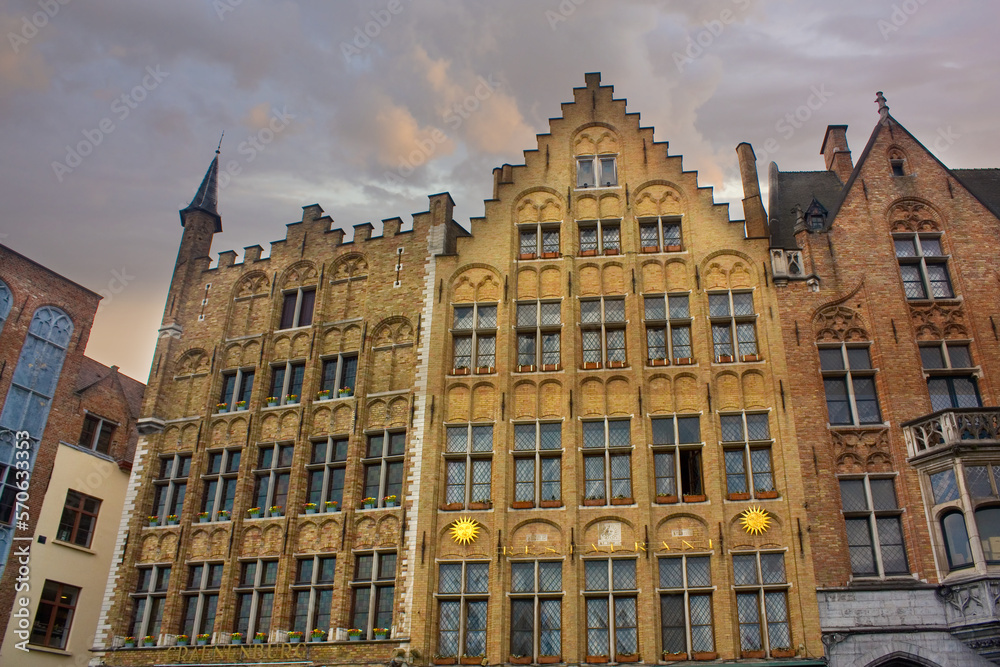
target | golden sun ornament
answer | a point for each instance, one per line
(755, 520)
(465, 530)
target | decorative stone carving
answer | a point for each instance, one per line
(910, 215)
(937, 321)
(839, 324)
(859, 451)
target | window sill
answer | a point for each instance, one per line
(329, 398)
(48, 649)
(302, 328)
(281, 405)
(855, 427)
(77, 547)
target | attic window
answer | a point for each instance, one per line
(816, 221)
(897, 167)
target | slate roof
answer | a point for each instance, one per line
(207, 197)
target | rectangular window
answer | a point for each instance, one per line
(372, 591)
(610, 590)
(761, 601)
(951, 379)
(468, 463)
(668, 329)
(607, 473)
(148, 600)
(383, 466)
(677, 449)
(596, 171)
(538, 464)
(312, 593)
(286, 383)
(923, 266)
(685, 588)
(220, 480)
(340, 374)
(237, 387)
(474, 338)
(255, 596)
(983, 481)
(325, 472)
(656, 234)
(271, 478)
(97, 433)
(529, 236)
(733, 320)
(602, 323)
(297, 308)
(600, 237)
(849, 382)
(79, 519)
(170, 486)
(55, 615)
(538, 322)
(536, 608)
(749, 471)
(874, 527)
(463, 595)
(201, 598)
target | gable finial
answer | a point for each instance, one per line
(883, 108)
(218, 148)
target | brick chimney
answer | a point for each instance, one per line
(836, 153)
(753, 208)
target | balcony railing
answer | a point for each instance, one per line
(947, 428)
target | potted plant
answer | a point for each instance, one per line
(622, 500)
(274, 510)
(295, 636)
(390, 501)
(221, 407)
(253, 512)
(149, 640)
(222, 515)
(332, 506)
(380, 633)
(310, 508)
(153, 520)
(172, 519)
(241, 405)
(706, 655)
(674, 657)
(766, 495)
(272, 401)
(591, 501)
(236, 638)
(549, 659)
(444, 659)
(354, 634)
(472, 659)
(345, 392)
(627, 657)
(259, 637)
(597, 659)
(551, 502)
(737, 496)
(318, 635)
(292, 399)
(204, 517)
(451, 507)
(782, 652)
(202, 639)
(518, 659)
(695, 497)
(480, 504)
(666, 498)
(369, 503)
(323, 395)
(523, 504)
(183, 640)
(129, 642)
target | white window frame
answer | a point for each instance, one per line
(871, 516)
(314, 587)
(374, 584)
(598, 166)
(611, 594)
(920, 261)
(539, 330)
(675, 449)
(384, 460)
(608, 452)
(474, 333)
(539, 229)
(599, 226)
(141, 626)
(240, 376)
(761, 589)
(340, 360)
(536, 455)
(602, 328)
(468, 457)
(746, 446)
(668, 325)
(101, 422)
(848, 374)
(272, 474)
(734, 323)
(328, 466)
(286, 381)
(296, 318)
(463, 598)
(202, 591)
(537, 596)
(660, 222)
(257, 590)
(686, 590)
(170, 485)
(224, 476)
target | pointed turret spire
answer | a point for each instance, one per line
(206, 199)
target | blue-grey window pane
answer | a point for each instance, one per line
(944, 486)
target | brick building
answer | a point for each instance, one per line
(887, 289)
(74, 420)
(511, 444)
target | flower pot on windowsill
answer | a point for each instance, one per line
(627, 657)
(551, 503)
(523, 505)
(593, 502)
(451, 507)
(550, 255)
(551, 367)
(149, 643)
(651, 248)
(588, 253)
(751, 357)
(597, 659)
(705, 655)
(724, 359)
(465, 370)
(591, 365)
(674, 657)
(129, 644)
(617, 364)
(520, 660)
(526, 255)
(381, 635)
(445, 660)
(549, 659)
(694, 498)
(671, 248)
(202, 642)
(611, 251)
(354, 638)
(480, 505)
(782, 653)
(666, 500)
(737, 496)
(683, 361)
(204, 519)
(752, 654)
(272, 404)
(622, 501)
(657, 362)
(295, 640)
(472, 659)
(525, 368)
(485, 370)
(765, 495)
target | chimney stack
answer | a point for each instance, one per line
(753, 208)
(836, 153)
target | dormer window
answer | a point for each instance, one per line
(596, 171)
(815, 216)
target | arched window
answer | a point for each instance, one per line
(5, 301)
(988, 522)
(956, 540)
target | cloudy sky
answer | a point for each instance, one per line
(110, 110)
